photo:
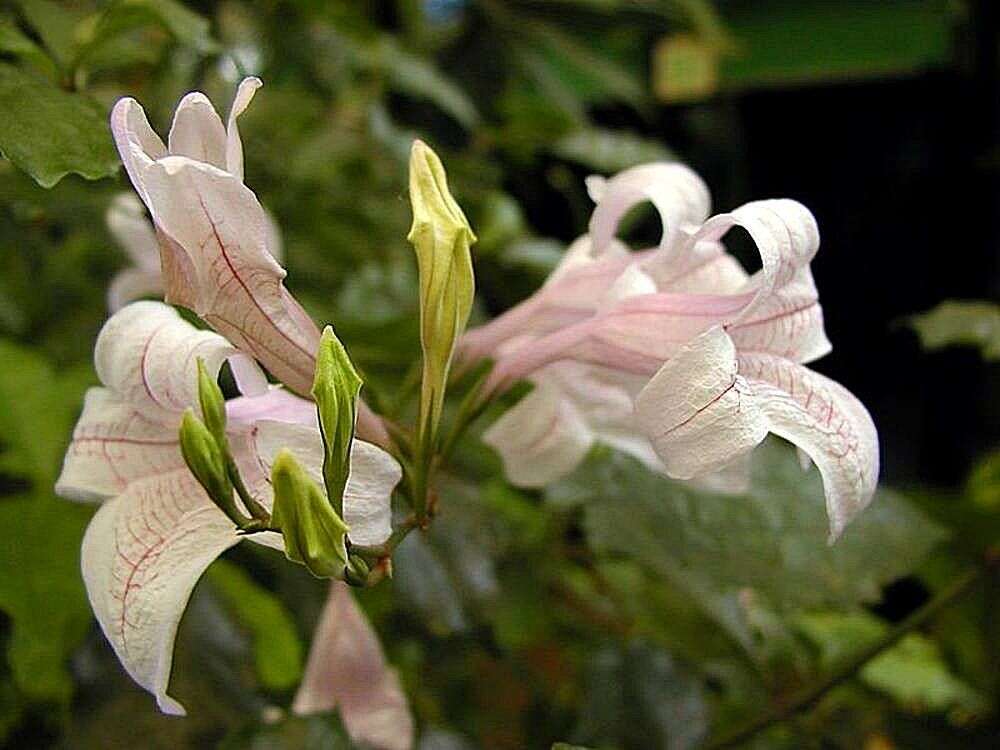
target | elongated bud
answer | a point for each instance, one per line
(314, 534)
(335, 389)
(441, 237)
(213, 404)
(207, 462)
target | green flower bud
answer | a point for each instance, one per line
(213, 404)
(441, 236)
(206, 460)
(335, 389)
(315, 535)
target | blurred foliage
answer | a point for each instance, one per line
(617, 609)
(961, 323)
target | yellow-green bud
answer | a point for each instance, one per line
(213, 404)
(205, 459)
(441, 237)
(335, 389)
(314, 534)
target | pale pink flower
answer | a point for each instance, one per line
(216, 243)
(156, 530)
(698, 360)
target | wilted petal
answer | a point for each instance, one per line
(347, 671)
(541, 439)
(197, 131)
(216, 262)
(679, 194)
(373, 476)
(826, 421)
(142, 554)
(697, 411)
(234, 146)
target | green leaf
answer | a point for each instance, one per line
(417, 76)
(42, 592)
(983, 484)
(49, 132)
(56, 24)
(961, 323)
(772, 541)
(913, 672)
(38, 409)
(798, 41)
(14, 42)
(641, 697)
(277, 648)
(314, 732)
(609, 151)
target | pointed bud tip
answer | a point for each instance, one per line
(430, 196)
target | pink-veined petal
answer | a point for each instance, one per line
(698, 411)
(784, 316)
(197, 131)
(346, 670)
(115, 443)
(148, 355)
(373, 476)
(142, 554)
(216, 262)
(678, 193)
(703, 268)
(827, 422)
(541, 439)
(234, 146)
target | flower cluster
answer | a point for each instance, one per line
(675, 354)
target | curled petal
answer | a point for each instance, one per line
(142, 554)
(346, 670)
(373, 476)
(704, 268)
(197, 131)
(147, 354)
(216, 262)
(697, 411)
(137, 142)
(827, 422)
(234, 146)
(541, 439)
(679, 194)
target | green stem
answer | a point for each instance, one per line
(849, 668)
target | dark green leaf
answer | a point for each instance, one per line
(316, 732)
(49, 132)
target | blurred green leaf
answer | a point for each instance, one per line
(983, 484)
(773, 540)
(49, 132)
(913, 671)
(102, 34)
(14, 42)
(960, 323)
(56, 24)
(609, 151)
(315, 732)
(277, 648)
(799, 41)
(640, 697)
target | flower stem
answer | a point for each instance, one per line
(806, 698)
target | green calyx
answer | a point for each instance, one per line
(315, 535)
(336, 387)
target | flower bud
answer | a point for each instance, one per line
(336, 386)
(314, 534)
(213, 404)
(207, 462)
(441, 237)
